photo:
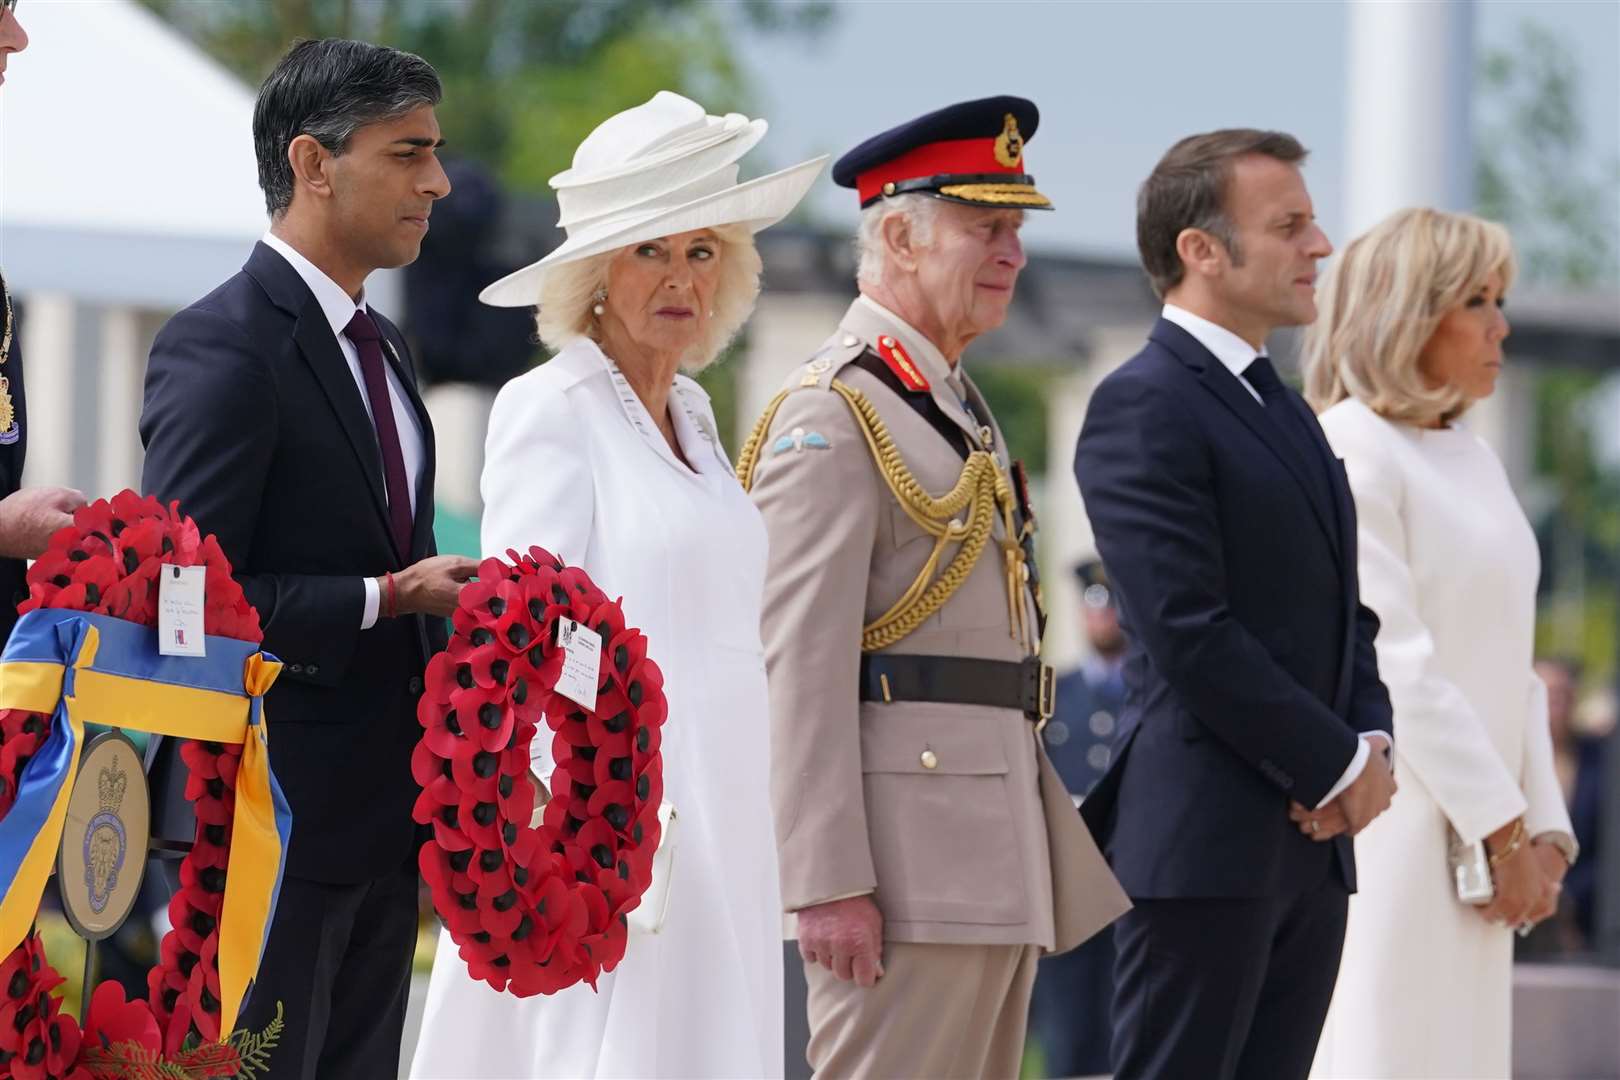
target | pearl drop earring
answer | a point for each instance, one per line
(599, 309)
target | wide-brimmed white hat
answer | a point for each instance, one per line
(660, 168)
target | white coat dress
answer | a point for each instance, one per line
(1449, 564)
(575, 464)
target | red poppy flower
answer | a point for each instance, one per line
(202, 990)
(200, 759)
(206, 853)
(179, 1026)
(113, 1019)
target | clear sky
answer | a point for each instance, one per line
(1117, 83)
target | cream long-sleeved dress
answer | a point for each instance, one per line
(1449, 563)
(575, 464)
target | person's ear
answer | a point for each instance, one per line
(311, 163)
(899, 241)
(1200, 252)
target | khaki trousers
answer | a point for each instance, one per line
(938, 1011)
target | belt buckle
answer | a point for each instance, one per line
(1045, 695)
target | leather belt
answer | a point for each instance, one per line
(1029, 686)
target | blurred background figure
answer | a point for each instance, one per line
(1071, 1011)
(1578, 758)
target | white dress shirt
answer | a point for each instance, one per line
(1236, 355)
(339, 307)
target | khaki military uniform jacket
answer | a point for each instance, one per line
(951, 815)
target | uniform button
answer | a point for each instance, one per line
(1057, 733)
(929, 761)
(851, 339)
(415, 685)
(1102, 723)
(312, 669)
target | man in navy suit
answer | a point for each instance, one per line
(282, 411)
(1256, 732)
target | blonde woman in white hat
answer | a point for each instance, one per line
(608, 455)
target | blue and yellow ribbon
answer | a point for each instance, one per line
(94, 669)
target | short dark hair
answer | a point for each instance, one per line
(329, 89)
(1187, 190)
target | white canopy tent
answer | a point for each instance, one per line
(127, 190)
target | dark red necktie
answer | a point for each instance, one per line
(373, 371)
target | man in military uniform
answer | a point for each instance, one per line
(928, 849)
(1071, 1011)
(28, 516)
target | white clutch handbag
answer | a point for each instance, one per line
(1470, 866)
(648, 917)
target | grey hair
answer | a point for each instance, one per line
(870, 254)
(329, 89)
(569, 291)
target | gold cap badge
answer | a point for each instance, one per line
(1009, 144)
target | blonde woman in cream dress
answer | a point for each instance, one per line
(1410, 335)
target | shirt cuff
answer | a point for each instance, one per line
(1363, 754)
(368, 616)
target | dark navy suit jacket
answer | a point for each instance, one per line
(1251, 666)
(253, 420)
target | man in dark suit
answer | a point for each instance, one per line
(1072, 1005)
(1256, 732)
(28, 516)
(283, 413)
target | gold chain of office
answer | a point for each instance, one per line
(982, 489)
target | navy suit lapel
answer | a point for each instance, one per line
(1227, 388)
(313, 336)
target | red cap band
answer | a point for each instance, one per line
(952, 157)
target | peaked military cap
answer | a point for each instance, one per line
(969, 153)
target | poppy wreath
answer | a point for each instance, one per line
(536, 908)
(108, 562)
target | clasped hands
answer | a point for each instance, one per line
(1528, 878)
(1368, 795)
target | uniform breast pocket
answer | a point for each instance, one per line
(939, 814)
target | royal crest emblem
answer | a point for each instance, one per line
(106, 844)
(102, 853)
(1009, 144)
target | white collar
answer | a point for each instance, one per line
(1233, 352)
(336, 305)
(693, 429)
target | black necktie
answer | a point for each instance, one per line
(1263, 377)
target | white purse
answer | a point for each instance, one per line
(1470, 866)
(648, 917)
